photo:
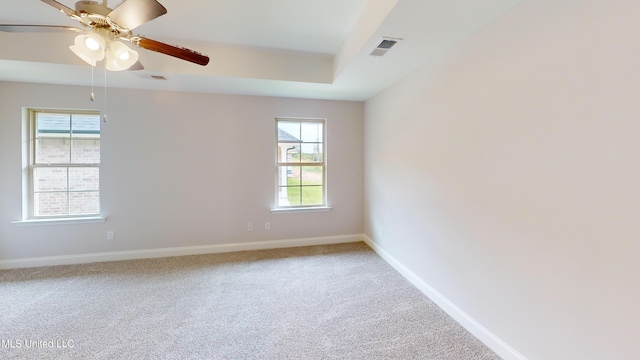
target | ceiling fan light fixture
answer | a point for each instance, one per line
(120, 57)
(89, 47)
(107, 24)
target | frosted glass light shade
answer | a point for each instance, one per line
(82, 50)
(120, 57)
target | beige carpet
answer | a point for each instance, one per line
(320, 302)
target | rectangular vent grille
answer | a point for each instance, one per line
(383, 47)
(386, 44)
(158, 77)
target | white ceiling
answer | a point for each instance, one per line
(293, 48)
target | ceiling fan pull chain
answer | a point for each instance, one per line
(92, 97)
(104, 117)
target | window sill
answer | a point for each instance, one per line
(60, 221)
(300, 209)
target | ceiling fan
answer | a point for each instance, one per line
(106, 27)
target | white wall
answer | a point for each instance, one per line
(508, 179)
(182, 169)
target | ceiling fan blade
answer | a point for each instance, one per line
(38, 28)
(178, 52)
(68, 11)
(132, 13)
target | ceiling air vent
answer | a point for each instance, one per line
(158, 77)
(384, 45)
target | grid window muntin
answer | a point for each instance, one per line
(300, 163)
(64, 163)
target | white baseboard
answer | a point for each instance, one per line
(175, 251)
(483, 334)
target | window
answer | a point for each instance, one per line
(300, 165)
(64, 164)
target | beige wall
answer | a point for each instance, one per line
(508, 178)
(182, 169)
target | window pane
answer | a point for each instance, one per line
(52, 150)
(50, 204)
(292, 176)
(84, 203)
(50, 179)
(311, 175)
(292, 154)
(81, 179)
(282, 175)
(85, 151)
(52, 133)
(51, 123)
(311, 152)
(288, 131)
(311, 195)
(311, 132)
(289, 196)
(288, 141)
(283, 196)
(83, 125)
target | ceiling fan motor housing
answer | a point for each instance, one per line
(92, 7)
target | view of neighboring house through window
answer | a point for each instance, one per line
(64, 171)
(300, 163)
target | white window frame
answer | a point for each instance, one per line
(30, 165)
(279, 164)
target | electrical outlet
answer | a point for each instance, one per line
(267, 226)
(110, 235)
(249, 226)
